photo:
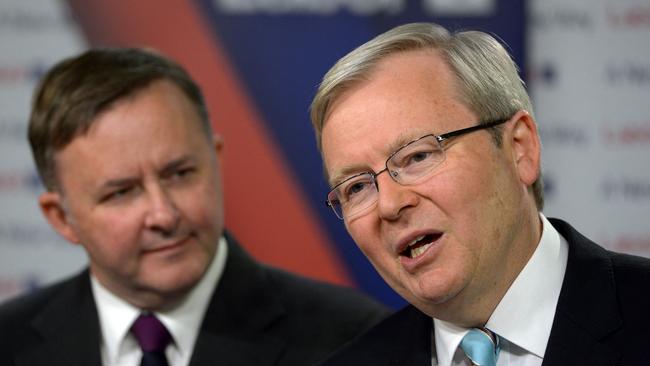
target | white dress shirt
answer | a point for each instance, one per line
(524, 316)
(119, 347)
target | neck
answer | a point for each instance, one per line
(146, 300)
(474, 305)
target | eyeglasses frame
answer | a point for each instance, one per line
(439, 138)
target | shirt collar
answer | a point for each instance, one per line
(447, 337)
(532, 298)
(183, 321)
(115, 319)
(543, 273)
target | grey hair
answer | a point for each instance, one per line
(488, 79)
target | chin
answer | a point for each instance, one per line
(432, 292)
(175, 281)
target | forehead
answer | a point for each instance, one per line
(148, 127)
(405, 96)
(160, 112)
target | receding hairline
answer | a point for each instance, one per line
(428, 57)
(359, 64)
(381, 65)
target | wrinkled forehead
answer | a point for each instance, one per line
(422, 72)
(406, 96)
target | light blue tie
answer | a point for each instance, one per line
(480, 347)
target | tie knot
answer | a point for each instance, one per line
(150, 333)
(481, 346)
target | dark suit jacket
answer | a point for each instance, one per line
(602, 316)
(257, 316)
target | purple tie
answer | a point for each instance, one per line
(153, 338)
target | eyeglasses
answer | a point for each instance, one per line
(407, 165)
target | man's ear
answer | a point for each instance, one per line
(51, 204)
(526, 147)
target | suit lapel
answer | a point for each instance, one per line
(68, 328)
(221, 349)
(417, 328)
(237, 328)
(587, 310)
(404, 338)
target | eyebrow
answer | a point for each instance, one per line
(402, 139)
(168, 168)
(346, 173)
(118, 182)
(399, 142)
(173, 165)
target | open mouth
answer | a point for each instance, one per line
(419, 245)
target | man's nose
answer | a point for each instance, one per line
(162, 215)
(393, 198)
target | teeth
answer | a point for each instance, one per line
(416, 240)
(416, 252)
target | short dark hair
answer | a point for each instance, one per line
(77, 89)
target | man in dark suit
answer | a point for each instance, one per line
(123, 143)
(455, 223)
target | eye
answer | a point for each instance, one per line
(418, 156)
(356, 189)
(117, 194)
(410, 158)
(183, 173)
(415, 155)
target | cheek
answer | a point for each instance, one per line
(366, 234)
(111, 238)
(203, 206)
(463, 188)
(360, 232)
(475, 201)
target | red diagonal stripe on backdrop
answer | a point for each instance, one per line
(265, 207)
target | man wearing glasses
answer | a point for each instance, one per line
(432, 152)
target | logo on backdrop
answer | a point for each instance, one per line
(564, 133)
(16, 180)
(626, 189)
(631, 16)
(544, 74)
(566, 19)
(628, 74)
(27, 234)
(631, 243)
(278, 7)
(460, 7)
(550, 186)
(11, 286)
(13, 129)
(25, 17)
(626, 134)
(17, 74)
